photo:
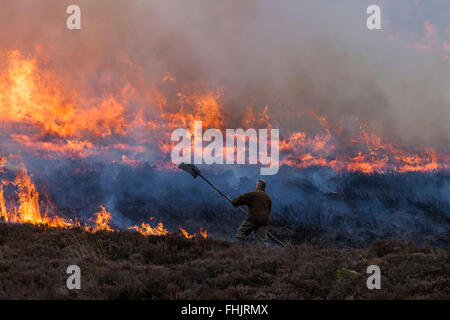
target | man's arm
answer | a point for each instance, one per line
(243, 199)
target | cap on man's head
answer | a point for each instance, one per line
(262, 184)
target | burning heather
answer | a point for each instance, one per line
(44, 117)
(146, 229)
(102, 220)
(86, 120)
(26, 210)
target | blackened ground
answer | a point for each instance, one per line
(314, 204)
(127, 265)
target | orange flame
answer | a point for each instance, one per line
(27, 210)
(102, 220)
(302, 151)
(3, 212)
(31, 95)
(146, 230)
(203, 233)
(186, 234)
(74, 125)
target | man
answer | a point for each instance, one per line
(259, 205)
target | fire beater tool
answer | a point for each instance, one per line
(195, 172)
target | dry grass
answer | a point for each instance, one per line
(126, 265)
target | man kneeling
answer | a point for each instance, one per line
(259, 205)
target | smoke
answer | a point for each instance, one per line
(293, 56)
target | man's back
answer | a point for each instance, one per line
(259, 205)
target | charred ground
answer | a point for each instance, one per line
(127, 265)
(314, 204)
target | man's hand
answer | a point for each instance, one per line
(235, 202)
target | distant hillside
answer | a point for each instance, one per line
(127, 265)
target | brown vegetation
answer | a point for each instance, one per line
(127, 265)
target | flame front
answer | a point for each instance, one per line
(27, 208)
(27, 211)
(44, 116)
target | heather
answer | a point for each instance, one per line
(128, 265)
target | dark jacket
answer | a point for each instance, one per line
(259, 205)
